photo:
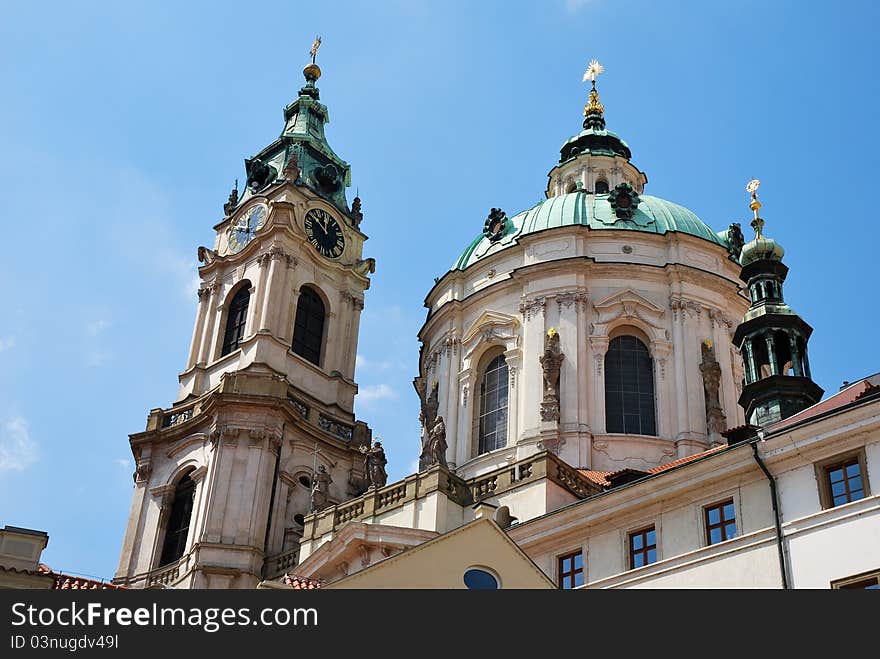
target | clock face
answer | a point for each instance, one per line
(242, 230)
(324, 233)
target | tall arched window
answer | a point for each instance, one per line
(601, 186)
(177, 528)
(493, 406)
(629, 387)
(236, 319)
(308, 327)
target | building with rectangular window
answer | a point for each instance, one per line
(614, 386)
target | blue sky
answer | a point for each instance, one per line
(125, 124)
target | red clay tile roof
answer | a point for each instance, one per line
(681, 461)
(603, 478)
(851, 393)
(69, 582)
(301, 583)
(598, 477)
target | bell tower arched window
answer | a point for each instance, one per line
(629, 387)
(236, 319)
(177, 529)
(493, 406)
(308, 327)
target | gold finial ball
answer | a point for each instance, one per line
(551, 332)
(312, 71)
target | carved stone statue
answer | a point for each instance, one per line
(363, 266)
(232, 202)
(551, 363)
(356, 213)
(206, 255)
(320, 490)
(427, 415)
(735, 239)
(291, 169)
(374, 465)
(437, 443)
(259, 174)
(716, 421)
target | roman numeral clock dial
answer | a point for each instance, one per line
(324, 232)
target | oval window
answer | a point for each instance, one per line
(476, 579)
(299, 519)
(305, 481)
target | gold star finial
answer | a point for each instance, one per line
(755, 205)
(593, 71)
(314, 50)
(594, 106)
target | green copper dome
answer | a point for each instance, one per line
(652, 215)
(761, 248)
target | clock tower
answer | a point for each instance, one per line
(226, 473)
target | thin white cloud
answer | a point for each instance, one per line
(413, 466)
(125, 463)
(375, 392)
(95, 327)
(17, 449)
(6, 344)
(94, 349)
(574, 6)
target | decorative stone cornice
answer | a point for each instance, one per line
(532, 307)
(628, 304)
(683, 308)
(198, 474)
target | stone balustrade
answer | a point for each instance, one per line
(379, 501)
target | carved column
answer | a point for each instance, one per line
(749, 361)
(164, 496)
(795, 354)
(269, 304)
(286, 301)
(598, 347)
(771, 354)
(258, 302)
(533, 312)
(206, 348)
(204, 297)
(681, 394)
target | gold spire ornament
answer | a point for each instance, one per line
(755, 205)
(312, 71)
(594, 69)
(314, 49)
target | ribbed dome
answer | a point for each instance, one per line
(761, 248)
(653, 215)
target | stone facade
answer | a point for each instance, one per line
(250, 427)
(673, 291)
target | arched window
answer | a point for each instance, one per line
(493, 406)
(629, 387)
(177, 528)
(601, 186)
(308, 327)
(236, 319)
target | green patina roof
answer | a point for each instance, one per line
(653, 215)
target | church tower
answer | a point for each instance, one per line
(226, 474)
(772, 338)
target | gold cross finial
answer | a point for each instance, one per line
(314, 50)
(593, 71)
(755, 205)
